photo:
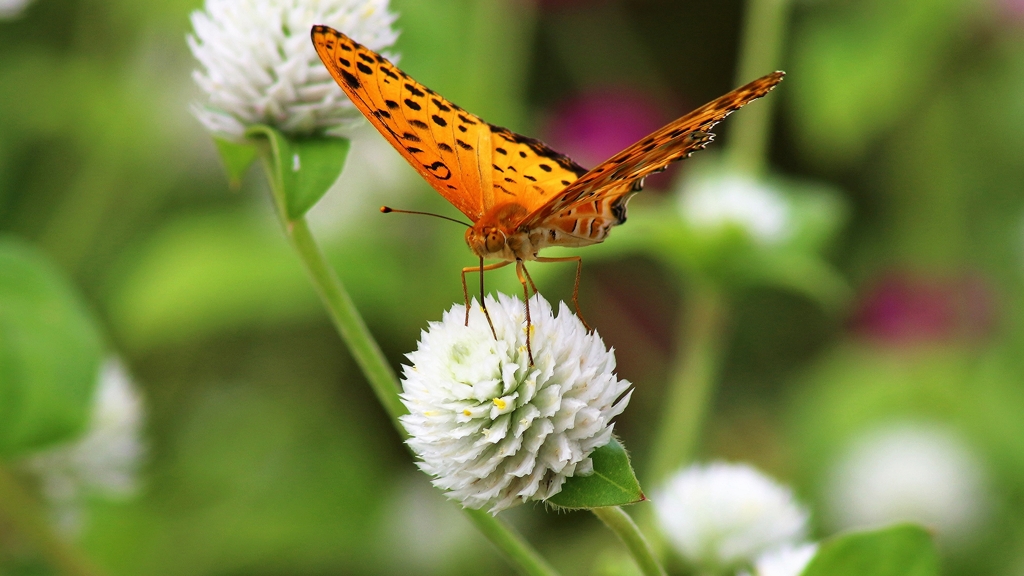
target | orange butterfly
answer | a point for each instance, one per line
(521, 195)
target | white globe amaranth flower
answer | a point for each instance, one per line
(11, 9)
(714, 202)
(495, 431)
(720, 516)
(788, 560)
(258, 65)
(909, 471)
(105, 460)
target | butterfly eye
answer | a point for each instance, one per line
(495, 241)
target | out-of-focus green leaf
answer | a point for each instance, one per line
(272, 472)
(305, 168)
(50, 352)
(205, 274)
(859, 67)
(613, 482)
(237, 157)
(904, 550)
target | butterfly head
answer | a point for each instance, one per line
(497, 235)
(487, 241)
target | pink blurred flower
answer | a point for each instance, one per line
(904, 309)
(597, 124)
(1012, 9)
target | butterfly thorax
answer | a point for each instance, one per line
(498, 235)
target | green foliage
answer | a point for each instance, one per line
(50, 352)
(303, 168)
(237, 158)
(613, 482)
(906, 550)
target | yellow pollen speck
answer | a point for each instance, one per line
(501, 404)
(466, 412)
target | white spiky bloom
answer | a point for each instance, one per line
(787, 560)
(909, 471)
(719, 516)
(495, 431)
(10, 9)
(105, 460)
(258, 65)
(713, 202)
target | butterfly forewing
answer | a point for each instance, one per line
(448, 146)
(526, 171)
(598, 197)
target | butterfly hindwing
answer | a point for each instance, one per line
(448, 146)
(597, 200)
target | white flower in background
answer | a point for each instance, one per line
(105, 460)
(258, 64)
(495, 431)
(909, 472)
(10, 9)
(785, 561)
(719, 201)
(720, 516)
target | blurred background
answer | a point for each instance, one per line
(262, 450)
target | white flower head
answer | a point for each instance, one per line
(718, 201)
(105, 459)
(11, 9)
(495, 431)
(258, 64)
(788, 560)
(909, 472)
(719, 516)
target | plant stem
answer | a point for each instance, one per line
(375, 367)
(764, 31)
(691, 390)
(511, 543)
(347, 320)
(25, 515)
(627, 531)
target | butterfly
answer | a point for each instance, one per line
(520, 195)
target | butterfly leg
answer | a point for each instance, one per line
(520, 270)
(529, 279)
(576, 286)
(465, 290)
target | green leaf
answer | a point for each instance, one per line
(237, 158)
(50, 352)
(304, 169)
(901, 550)
(613, 482)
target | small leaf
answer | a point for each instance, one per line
(237, 158)
(304, 168)
(613, 482)
(901, 550)
(50, 353)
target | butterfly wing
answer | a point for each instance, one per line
(526, 171)
(448, 146)
(473, 164)
(586, 209)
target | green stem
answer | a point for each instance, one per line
(627, 531)
(347, 320)
(371, 360)
(691, 390)
(28, 520)
(764, 31)
(511, 543)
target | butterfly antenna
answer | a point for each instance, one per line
(388, 210)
